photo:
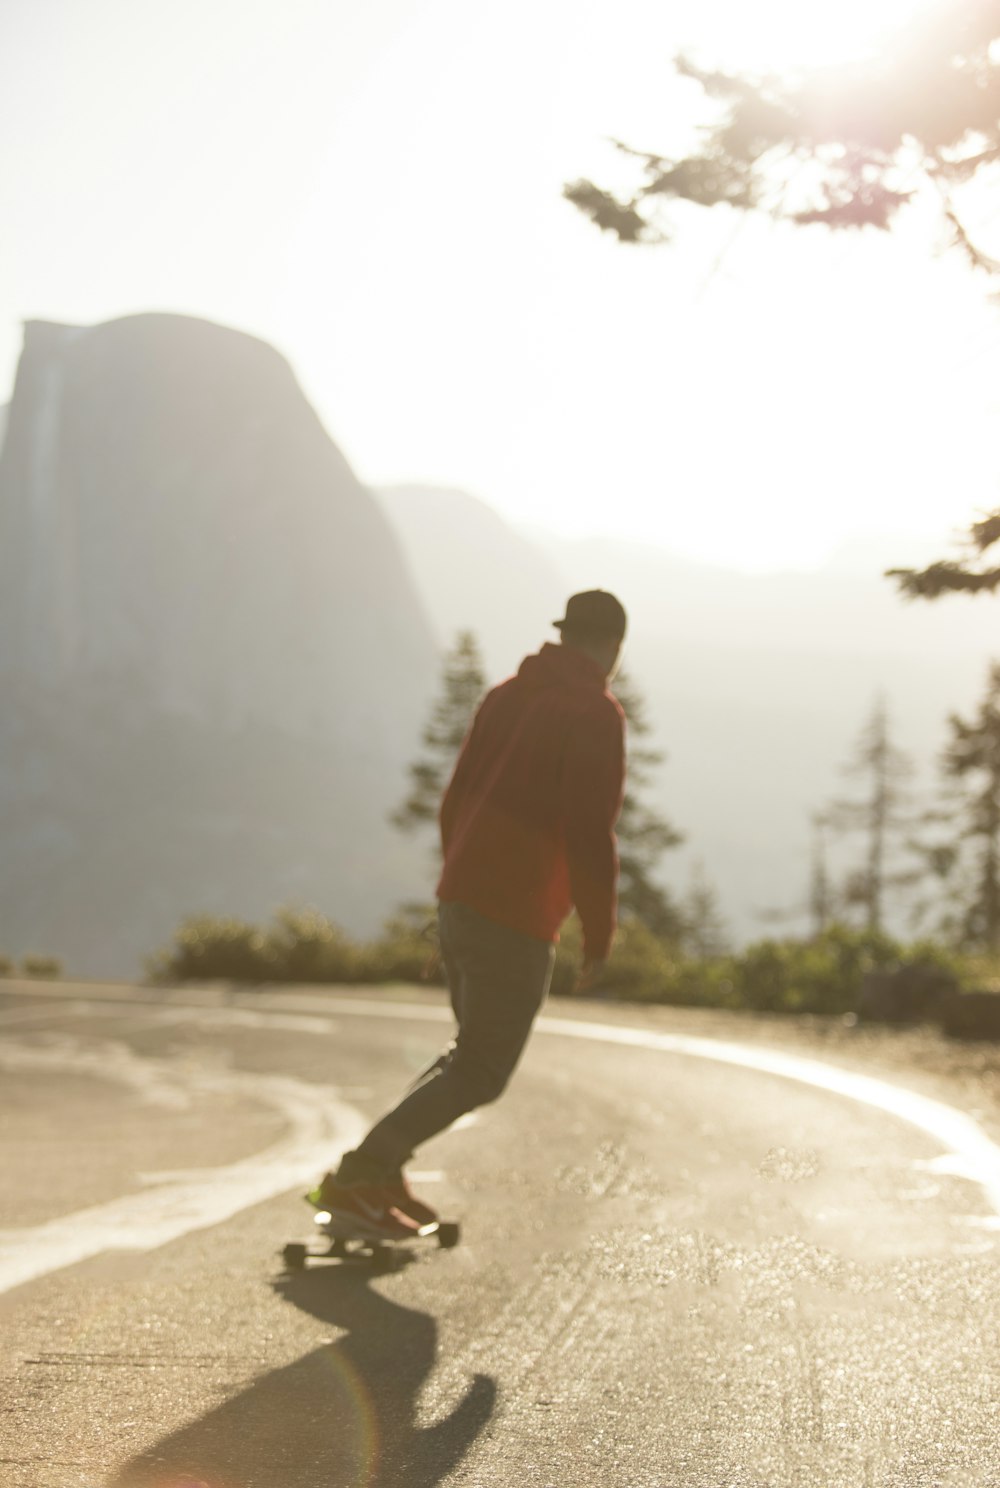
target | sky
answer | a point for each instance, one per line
(376, 189)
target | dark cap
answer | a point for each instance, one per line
(596, 614)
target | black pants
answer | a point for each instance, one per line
(498, 979)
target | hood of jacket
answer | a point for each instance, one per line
(560, 666)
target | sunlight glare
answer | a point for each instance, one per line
(782, 35)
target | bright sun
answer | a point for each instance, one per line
(782, 34)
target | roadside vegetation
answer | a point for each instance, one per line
(298, 946)
(825, 974)
(934, 863)
(45, 968)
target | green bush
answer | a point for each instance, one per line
(300, 945)
(406, 951)
(706, 984)
(6, 966)
(822, 975)
(642, 965)
(46, 968)
(304, 946)
(210, 949)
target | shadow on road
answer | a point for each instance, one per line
(341, 1417)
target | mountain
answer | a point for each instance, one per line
(213, 657)
(756, 684)
(474, 571)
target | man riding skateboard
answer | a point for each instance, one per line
(527, 828)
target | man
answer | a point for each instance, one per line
(527, 828)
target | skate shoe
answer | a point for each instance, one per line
(403, 1198)
(366, 1211)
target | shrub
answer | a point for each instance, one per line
(641, 968)
(210, 949)
(304, 946)
(704, 984)
(6, 966)
(44, 967)
(822, 975)
(301, 945)
(406, 951)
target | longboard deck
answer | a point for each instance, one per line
(343, 1243)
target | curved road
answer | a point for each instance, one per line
(676, 1272)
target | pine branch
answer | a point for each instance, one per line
(947, 576)
(610, 214)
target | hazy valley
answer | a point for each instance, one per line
(217, 649)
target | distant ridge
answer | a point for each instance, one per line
(476, 571)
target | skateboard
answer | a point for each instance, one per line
(339, 1242)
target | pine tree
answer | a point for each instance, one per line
(704, 927)
(643, 835)
(968, 574)
(821, 895)
(973, 757)
(463, 683)
(881, 814)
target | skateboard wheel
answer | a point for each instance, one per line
(294, 1256)
(448, 1235)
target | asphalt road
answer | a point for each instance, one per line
(675, 1272)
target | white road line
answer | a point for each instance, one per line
(321, 1127)
(11, 1016)
(975, 1156)
(205, 1017)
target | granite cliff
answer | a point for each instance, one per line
(213, 658)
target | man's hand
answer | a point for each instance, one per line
(589, 976)
(431, 969)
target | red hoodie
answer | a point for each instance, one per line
(527, 821)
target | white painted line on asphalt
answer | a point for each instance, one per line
(977, 1156)
(205, 1017)
(232, 1017)
(11, 1016)
(321, 1127)
(958, 1133)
